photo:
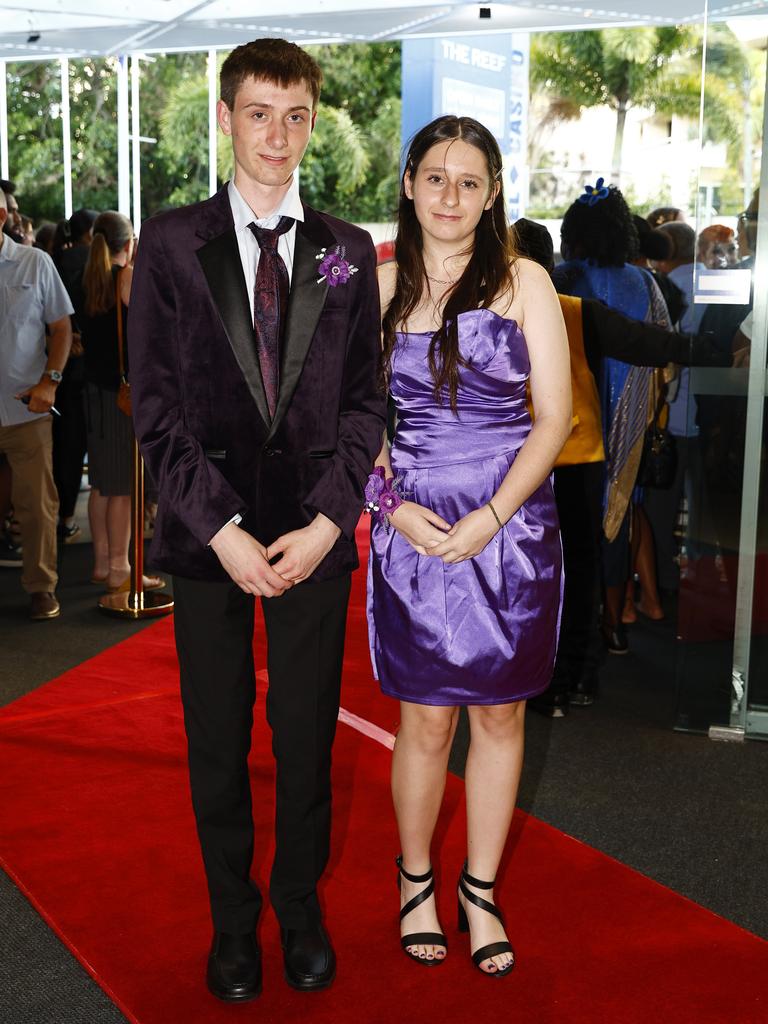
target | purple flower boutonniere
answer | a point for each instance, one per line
(334, 268)
(594, 193)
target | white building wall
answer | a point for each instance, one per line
(660, 166)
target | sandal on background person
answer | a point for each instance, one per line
(149, 583)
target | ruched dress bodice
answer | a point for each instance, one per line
(492, 416)
(482, 631)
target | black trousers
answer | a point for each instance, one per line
(662, 506)
(69, 439)
(578, 494)
(305, 645)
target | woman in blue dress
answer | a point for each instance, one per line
(598, 239)
(465, 574)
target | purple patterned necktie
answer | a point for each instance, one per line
(270, 303)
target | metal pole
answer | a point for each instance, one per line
(123, 159)
(213, 127)
(134, 603)
(5, 170)
(66, 137)
(136, 140)
(137, 526)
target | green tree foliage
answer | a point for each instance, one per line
(34, 144)
(656, 68)
(93, 114)
(337, 161)
(174, 112)
(35, 137)
(181, 152)
(360, 105)
(351, 167)
(378, 201)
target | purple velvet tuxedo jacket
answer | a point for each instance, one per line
(199, 407)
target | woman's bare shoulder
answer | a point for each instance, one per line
(530, 282)
(386, 275)
(528, 273)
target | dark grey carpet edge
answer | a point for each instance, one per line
(40, 980)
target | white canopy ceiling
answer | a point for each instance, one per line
(59, 28)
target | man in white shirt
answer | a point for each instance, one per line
(31, 297)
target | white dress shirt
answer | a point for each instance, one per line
(31, 296)
(248, 246)
(243, 215)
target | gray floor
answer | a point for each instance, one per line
(683, 810)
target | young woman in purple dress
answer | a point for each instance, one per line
(465, 574)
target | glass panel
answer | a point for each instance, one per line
(720, 613)
(757, 697)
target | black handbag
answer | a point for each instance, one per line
(658, 463)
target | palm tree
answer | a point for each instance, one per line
(655, 68)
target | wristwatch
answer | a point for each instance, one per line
(56, 375)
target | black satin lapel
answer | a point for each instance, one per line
(220, 260)
(305, 304)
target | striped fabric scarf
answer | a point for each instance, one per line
(624, 389)
(631, 417)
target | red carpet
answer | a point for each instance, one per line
(96, 828)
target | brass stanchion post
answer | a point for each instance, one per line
(134, 603)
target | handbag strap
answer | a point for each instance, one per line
(658, 398)
(119, 308)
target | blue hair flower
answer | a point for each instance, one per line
(594, 193)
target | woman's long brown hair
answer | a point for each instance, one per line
(111, 230)
(487, 274)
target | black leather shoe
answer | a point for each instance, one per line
(308, 956)
(553, 705)
(234, 967)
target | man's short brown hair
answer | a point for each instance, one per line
(273, 60)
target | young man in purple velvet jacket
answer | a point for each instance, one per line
(254, 349)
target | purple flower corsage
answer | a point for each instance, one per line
(382, 496)
(334, 268)
(594, 193)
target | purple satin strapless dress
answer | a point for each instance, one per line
(483, 631)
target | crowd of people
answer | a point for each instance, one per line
(64, 287)
(531, 403)
(619, 522)
(617, 567)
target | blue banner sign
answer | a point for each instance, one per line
(485, 77)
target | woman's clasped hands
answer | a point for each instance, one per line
(429, 534)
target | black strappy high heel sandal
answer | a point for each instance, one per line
(419, 938)
(493, 948)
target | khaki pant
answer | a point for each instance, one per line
(35, 501)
